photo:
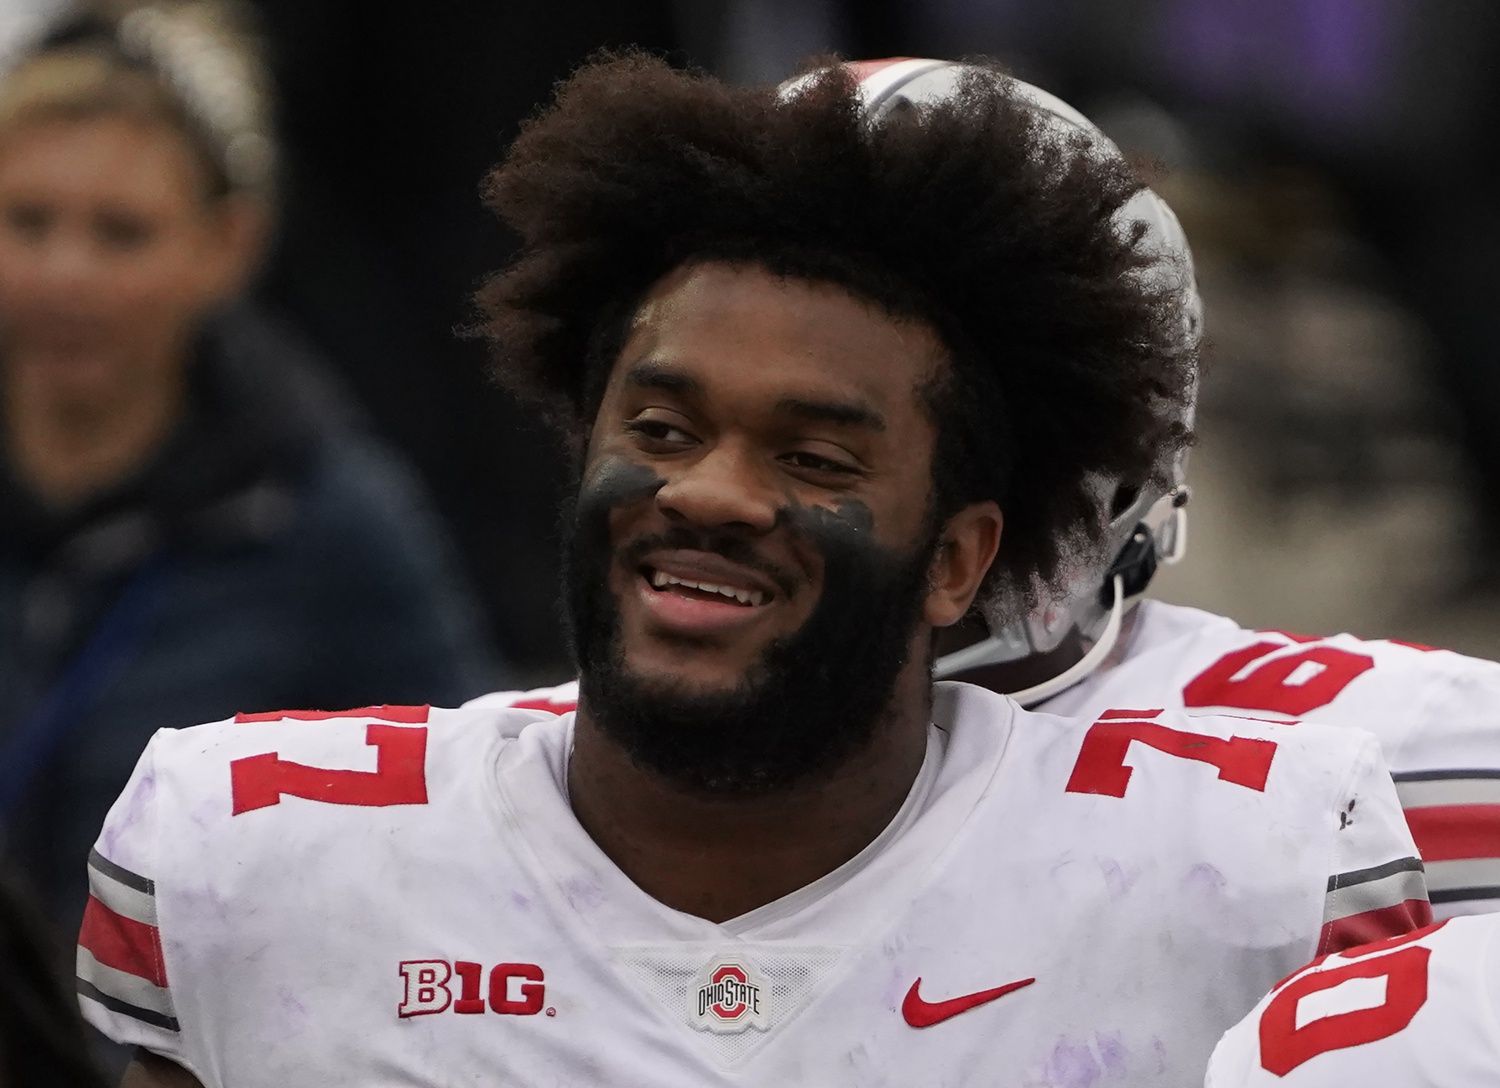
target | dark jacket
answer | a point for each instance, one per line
(271, 556)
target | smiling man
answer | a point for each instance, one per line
(825, 379)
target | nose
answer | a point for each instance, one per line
(723, 488)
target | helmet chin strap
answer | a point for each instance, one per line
(979, 654)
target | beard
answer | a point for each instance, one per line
(813, 699)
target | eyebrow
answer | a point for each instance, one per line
(845, 413)
(654, 375)
(649, 375)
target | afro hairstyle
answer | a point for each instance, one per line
(1066, 359)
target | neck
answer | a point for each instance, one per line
(67, 450)
(721, 857)
(1023, 673)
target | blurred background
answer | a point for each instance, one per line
(1328, 157)
(364, 519)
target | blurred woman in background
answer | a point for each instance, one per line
(191, 521)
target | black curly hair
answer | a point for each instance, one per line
(969, 215)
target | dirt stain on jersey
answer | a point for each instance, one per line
(1072, 1065)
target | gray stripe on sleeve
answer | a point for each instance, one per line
(120, 873)
(1375, 889)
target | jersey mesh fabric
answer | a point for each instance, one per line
(667, 974)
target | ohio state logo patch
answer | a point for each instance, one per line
(727, 997)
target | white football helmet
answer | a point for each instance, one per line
(1146, 521)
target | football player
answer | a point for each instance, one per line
(805, 359)
(1099, 644)
(1418, 1009)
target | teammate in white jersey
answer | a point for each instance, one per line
(804, 360)
(1417, 1010)
(1093, 647)
(1435, 713)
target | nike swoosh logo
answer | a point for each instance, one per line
(923, 1014)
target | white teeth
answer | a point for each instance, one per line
(660, 580)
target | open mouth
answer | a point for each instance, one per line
(702, 590)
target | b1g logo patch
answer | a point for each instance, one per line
(728, 997)
(428, 987)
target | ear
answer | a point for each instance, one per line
(967, 548)
(238, 231)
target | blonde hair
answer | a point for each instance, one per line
(192, 65)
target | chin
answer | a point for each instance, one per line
(678, 676)
(72, 375)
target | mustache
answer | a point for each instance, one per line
(725, 545)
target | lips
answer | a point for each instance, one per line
(700, 593)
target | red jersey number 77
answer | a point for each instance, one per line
(399, 777)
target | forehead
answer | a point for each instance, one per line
(744, 333)
(107, 155)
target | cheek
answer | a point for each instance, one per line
(144, 291)
(892, 518)
(900, 506)
(23, 278)
(12, 286)
(167, 280)
(843, 528)
(613, 489)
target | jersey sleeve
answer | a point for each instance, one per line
(1376, 886)
(123, 983)
(1448, 778)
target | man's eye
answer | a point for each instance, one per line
(28, 221)
(817, 463)
(124, 232)
(657, 430)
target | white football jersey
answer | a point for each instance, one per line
(402, 896)
(1417, 1010)
(1435, 713)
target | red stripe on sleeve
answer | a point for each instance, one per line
(123, 943)
(1454, 832)
(1374, 925)
(551, 706)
